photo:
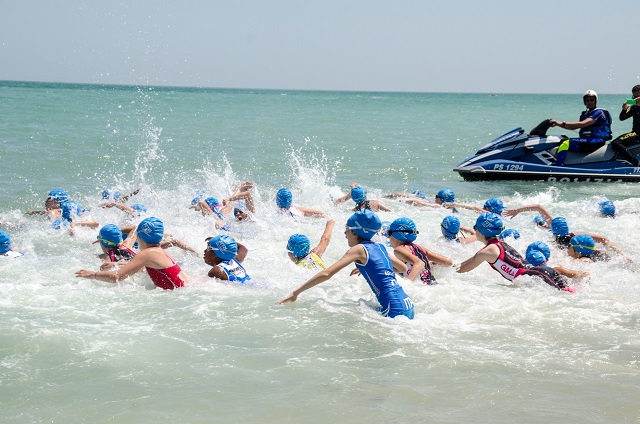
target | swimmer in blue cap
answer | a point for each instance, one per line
(583, 247)
(225, 256)
(52, 204)
(284, 201)
(235, 205)
(452, 230)
(538, 254)
(161, 267)
(607, 209)
(493, 205)
(402, 236)
(300, 252)
(418, 198)
(563, 237)
(359, 195)
(116, 251)
(500, 256)
(372, 261)
(5, 247)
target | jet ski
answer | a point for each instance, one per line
(517, 155)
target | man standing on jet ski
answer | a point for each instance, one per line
(594, 125)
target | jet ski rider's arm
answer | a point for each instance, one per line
(572, 125)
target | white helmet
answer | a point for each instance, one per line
(590, 93)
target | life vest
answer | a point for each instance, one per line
(600, 129)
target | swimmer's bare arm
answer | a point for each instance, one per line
(602, 240)
(356, 253)
(438, 258)
(135, 265)
(311, 213)
(404, 255)
(486, 254)
(452, 205)
(571, 273)
(379, 206)
(538, 208)
(324, 239)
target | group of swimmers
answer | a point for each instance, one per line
(374, 260)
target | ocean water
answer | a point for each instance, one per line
(479, 350)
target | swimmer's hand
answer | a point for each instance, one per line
(106, 266)
(291, 298)
(83, 273)
(354, 271)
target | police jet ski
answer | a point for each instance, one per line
(517, 155)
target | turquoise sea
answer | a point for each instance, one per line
(479, 349)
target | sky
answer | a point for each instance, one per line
(490, 46)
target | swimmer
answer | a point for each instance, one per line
(582, 247)
(284, 201)
(51, 204)
(418, 198)
(500, 256)
(607, 209)
(115, 250)
(563, 236)
(134, 210)
(300, 252)
(453, 231)
(402, 234)
(492, 205)
(226, 255)
(115, 195)
(161, 267)
(372, 261)
(359, 196)
(69, 217)
(5, 247)
(544, 249)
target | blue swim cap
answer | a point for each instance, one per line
(284, 198)
(365, 224)
(212, 202)
(59, 223)
(494, 205)
(71, 210)
(110, 236)
(509, 232)
(489, 224)
(419, 194)
(446, 195)
(539, 220)
(535, 257)
(224, 247)
(583, 244)
(139, 207)
(106, 194)
(59, 196)
(403, 229)
(607, 208)
(299, 245)
(5, 242)
(541, 247)
(358, 194)
(450, 226)
(151, 230)
(559, 226)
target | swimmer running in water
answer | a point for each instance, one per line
(161, 267)
(500, 256)
(402, 234)
(372, 261)
(225, 256)
(300, 252)
(359, 196)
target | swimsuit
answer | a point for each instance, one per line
(378, 271)
(166, 278)
(426, 276)
(311, 261)
(121, 254)
(234, 270)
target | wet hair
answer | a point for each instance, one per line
(636, 88)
